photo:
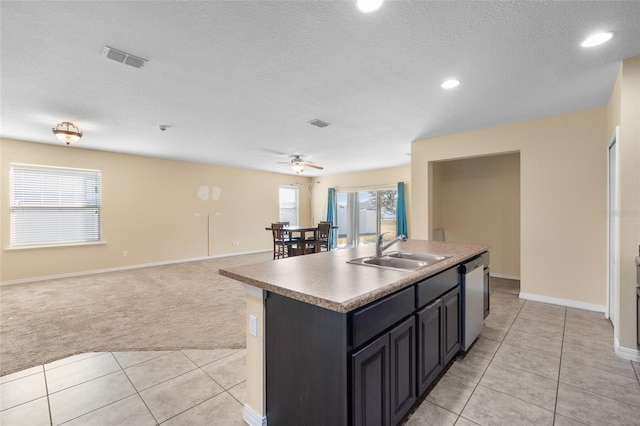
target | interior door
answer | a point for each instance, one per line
(613, 229)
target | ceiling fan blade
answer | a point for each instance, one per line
(313, 166)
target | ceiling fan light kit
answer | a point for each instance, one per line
(297, 167)
(297, 164)
(67, 132)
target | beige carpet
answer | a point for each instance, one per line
(181, 306)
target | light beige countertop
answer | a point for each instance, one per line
(327, 280)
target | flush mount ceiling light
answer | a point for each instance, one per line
(368, 6)
(597, 39)
(450, 84)
(67, 132)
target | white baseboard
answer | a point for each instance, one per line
(626, 353)
(252, 418)
(123, 268)
(563, 302)
(506, 277)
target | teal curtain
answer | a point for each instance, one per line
(401, 212)
(331, 212)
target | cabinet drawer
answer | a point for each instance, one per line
(373, 319)
(433, 287)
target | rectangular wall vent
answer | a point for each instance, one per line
(123, 57)
(318, 123)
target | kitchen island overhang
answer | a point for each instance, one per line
(325, 285)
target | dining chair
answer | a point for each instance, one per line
(331, 233)
(291, 237)
(282, 243)
(322, 237)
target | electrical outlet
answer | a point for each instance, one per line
(124, 253)
(235, 243)
(253, 325)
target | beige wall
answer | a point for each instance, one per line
(255, 397)
(624, 110)
(478, 200)
(563, 194)
(158, 210)
(371, 179)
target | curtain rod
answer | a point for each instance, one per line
(379, 186)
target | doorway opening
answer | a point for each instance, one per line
(478, 199)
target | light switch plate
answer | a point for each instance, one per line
(253, 325)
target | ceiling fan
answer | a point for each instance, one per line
(297, 164)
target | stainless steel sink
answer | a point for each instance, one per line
(431, 258)
(400, 261)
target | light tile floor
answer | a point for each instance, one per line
(534, 364)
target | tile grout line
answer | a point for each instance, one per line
(499, 391)
(85, 382)
(46, 389)
(240, 402)
(555, 406)
(208, 399)
(490, 361)
(135, 388)
(142, 362)
(72, 362)
(111, 403)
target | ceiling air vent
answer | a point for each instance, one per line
(123, 57)
(318, 123)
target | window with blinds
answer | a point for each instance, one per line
(51, 205)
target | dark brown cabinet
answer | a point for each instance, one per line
(402, 374)
(452, 310)
(371, 383)
(384, 377)
(430, 353)
(439, 336)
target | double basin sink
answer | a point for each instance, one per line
(399, 260)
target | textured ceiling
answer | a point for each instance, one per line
(239, 81)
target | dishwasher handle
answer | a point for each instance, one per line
(471, 265)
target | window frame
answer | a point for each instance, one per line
(297, 204)
(91, 234)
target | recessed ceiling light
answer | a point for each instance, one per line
(368, 6)
(450, 84)
(597, 39)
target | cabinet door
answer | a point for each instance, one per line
(371, 384)
(430, 353)
(402, 371)
(452, 305)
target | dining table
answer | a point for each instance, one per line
(301, 231)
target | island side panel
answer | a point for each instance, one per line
(306, 364)
(254, 409)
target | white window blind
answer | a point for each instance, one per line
(51, 205)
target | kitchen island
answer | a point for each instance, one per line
(335, 343)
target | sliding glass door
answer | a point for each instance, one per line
(362, 215)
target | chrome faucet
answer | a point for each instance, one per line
(380, 248)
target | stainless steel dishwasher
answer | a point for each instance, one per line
(472, 273)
